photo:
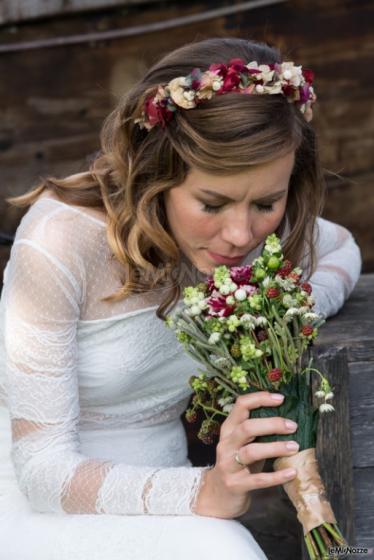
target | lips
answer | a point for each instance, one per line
(222, 259)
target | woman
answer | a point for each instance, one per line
(193, 173)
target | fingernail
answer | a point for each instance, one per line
(277, 396)
(291, 425)
(289, 473)
(292, 445)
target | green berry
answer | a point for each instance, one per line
(273, 263)
(260, 274)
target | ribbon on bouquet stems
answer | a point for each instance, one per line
(306, 491)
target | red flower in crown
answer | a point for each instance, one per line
(231, 81)
(219, 69)
(308, 75)
(157, 112)
(238, 65)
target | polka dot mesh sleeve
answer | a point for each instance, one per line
(44, 290)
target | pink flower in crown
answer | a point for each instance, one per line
(219, 307)
(210, 82)
(238, 65)
(241, 274)
(219, 69)
(247, 90)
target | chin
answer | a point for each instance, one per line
(205, 268)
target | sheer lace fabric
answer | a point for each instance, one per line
(59, 269)
(95, 390)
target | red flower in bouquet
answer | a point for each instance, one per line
(274, 374)
(272, 293)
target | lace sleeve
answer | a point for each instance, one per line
(43, 293)
(338, 267)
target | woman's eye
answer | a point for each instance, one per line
(265, 207)
(260, 207)
(210, 208)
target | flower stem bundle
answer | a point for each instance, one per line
(250, 327)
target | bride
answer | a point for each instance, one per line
(196, 169)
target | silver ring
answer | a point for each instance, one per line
(237, 459)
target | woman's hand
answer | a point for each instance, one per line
(226, 489)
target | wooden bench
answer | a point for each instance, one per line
(344, 350)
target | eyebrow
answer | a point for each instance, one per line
(266, 198)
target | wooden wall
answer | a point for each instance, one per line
(53, 101)
(24, 10)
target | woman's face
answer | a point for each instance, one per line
(223, 225)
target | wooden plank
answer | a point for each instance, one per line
(364, 507)
(354, 322)
(334, 442)
(361, 351)
(12, 11)
(362, 414)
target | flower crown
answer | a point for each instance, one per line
(187, 92)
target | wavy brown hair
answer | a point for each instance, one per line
(225, 135)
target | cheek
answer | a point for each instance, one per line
(269, 222)
(187, 220)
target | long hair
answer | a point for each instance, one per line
(225, 135)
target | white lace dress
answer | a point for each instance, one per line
(93, 454)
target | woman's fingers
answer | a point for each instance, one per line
(255, 452)
(244, 404)
(251, 453)
(248, 430)
(247, 482)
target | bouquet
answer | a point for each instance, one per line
(250, 327)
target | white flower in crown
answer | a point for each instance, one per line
(182, 97)
(273, 89)
(293, 74)
(210, 82)
(266, 74)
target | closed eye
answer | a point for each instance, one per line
(214, 209)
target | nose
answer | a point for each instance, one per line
(237, 231)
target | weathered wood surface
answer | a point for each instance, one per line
(53, 101)
(364, 505)
(20, 10)
(334, 441)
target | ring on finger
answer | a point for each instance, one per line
(237, 459)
